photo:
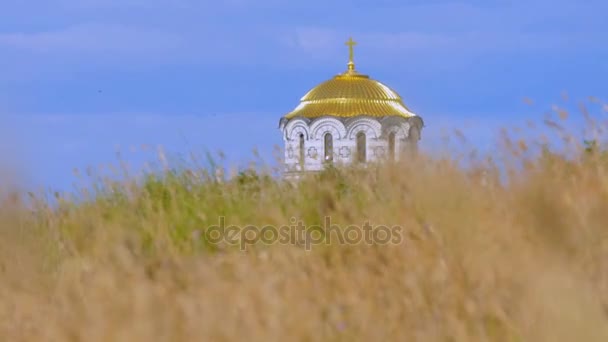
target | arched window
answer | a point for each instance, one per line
(329, 148)
(301, 154)
(391, 145)
(361, 147)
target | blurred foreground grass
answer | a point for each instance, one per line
(482, 257)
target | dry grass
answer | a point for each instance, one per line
(481, 259)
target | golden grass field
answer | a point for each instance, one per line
(482, 258)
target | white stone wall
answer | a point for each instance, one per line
(344, 134)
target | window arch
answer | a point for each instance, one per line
(328, 147)
(391, 145)
(301, 148)
(361, 147)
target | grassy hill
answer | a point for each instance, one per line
(419, 251)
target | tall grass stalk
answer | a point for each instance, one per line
(483, 257)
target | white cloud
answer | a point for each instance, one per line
(441, 35)
(329, 43)
(93, 43)
(454, 30)
(114, 44)
(165, 4)
(94, 38)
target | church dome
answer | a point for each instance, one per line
(350, 94)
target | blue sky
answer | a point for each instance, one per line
(80, 79)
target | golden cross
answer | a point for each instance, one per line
(350, 43)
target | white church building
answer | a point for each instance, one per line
(350, 118)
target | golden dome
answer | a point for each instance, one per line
(350, 94)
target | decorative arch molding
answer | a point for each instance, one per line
(348, 121)
(395, 124)
(371, 127)
(393, 120)
(296, 127)
(401, 131)
(326, 124)
(282, 122)
(416, 121)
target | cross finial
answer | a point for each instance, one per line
(351, 63)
